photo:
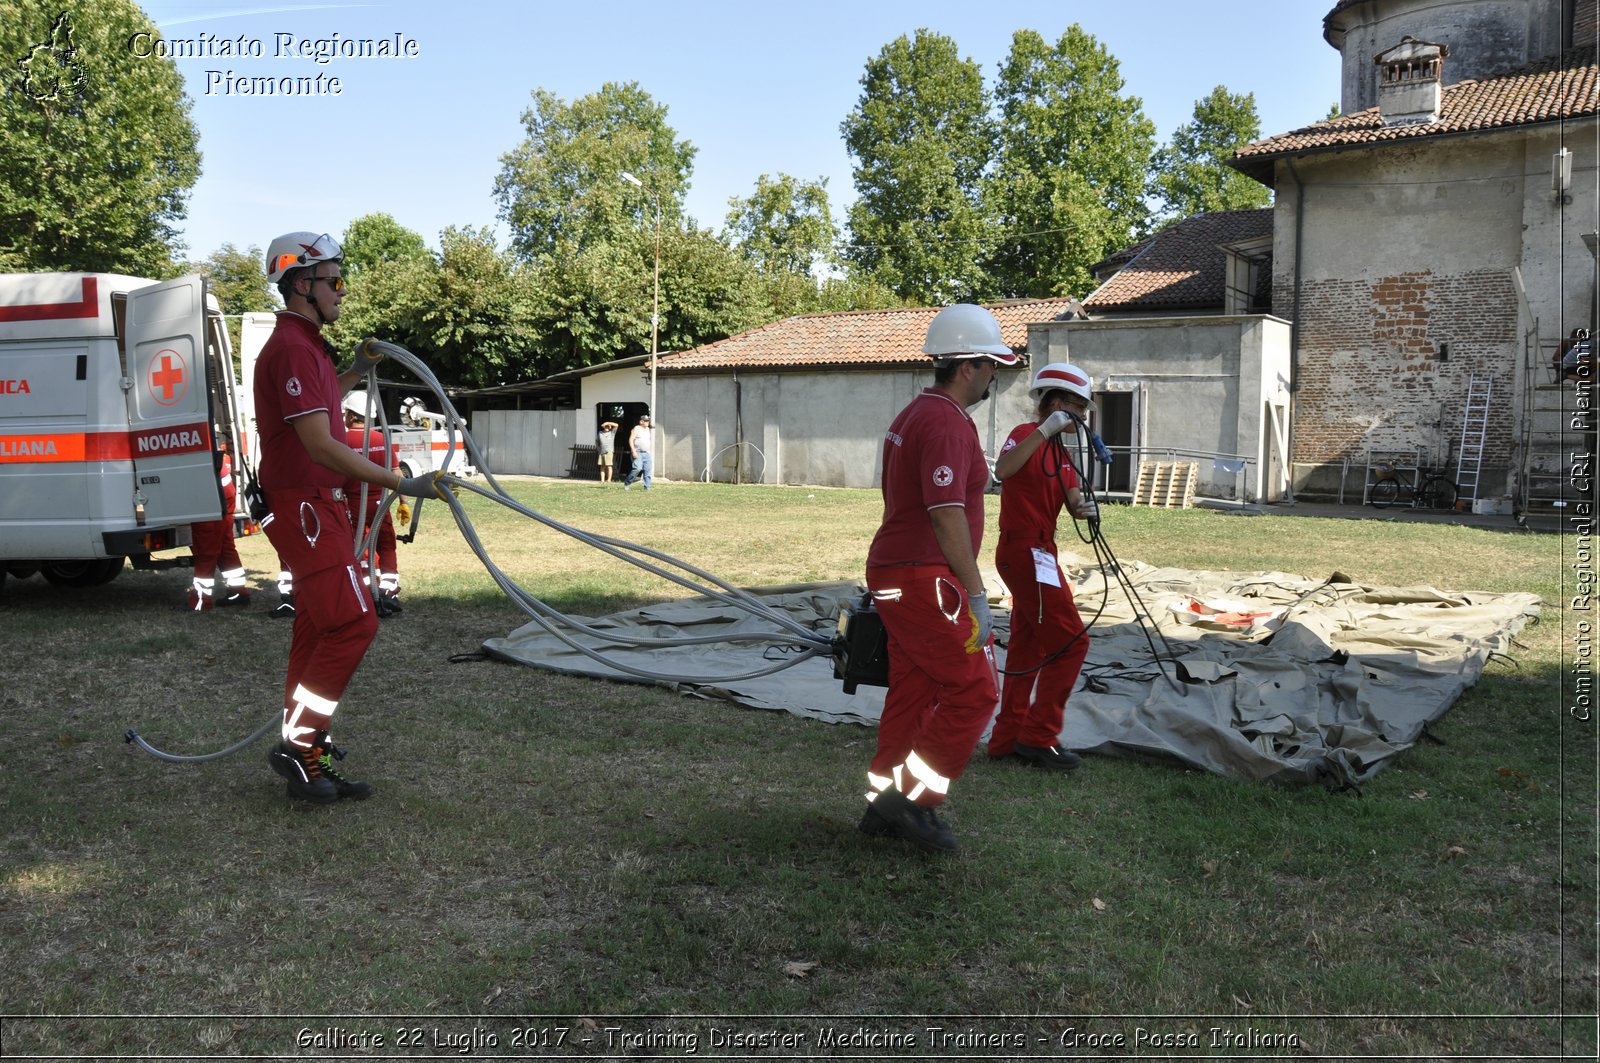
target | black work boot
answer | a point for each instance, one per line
(1055, 758)
(303, 769)
(920, 826)
(874, 825)
(354, 789)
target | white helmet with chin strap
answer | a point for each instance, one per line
(294, 250)
(1061, 376)
(964, 331)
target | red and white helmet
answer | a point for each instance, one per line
(1061, 376)
(293, 250)
(966, 330)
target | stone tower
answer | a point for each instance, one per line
(1479, 38)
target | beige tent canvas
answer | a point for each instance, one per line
(1266, 676)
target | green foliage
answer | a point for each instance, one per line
(468, 312)
(920, 137)
(97, 149)
(788, 294)
(479, 326)
(375, 239)
(595, 305)
(1191, 175)
(561, 189)
(785, 226)
(1068, 186)
(707, 291)
(239, 281)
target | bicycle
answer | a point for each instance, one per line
(1429, 488)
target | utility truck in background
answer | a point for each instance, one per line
(419, 439)
(113, 390)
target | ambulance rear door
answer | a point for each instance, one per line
(170, 404)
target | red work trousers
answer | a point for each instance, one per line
(334, 620)
(388, 557)
(1044, 619)
(213, 548)
(941, 682)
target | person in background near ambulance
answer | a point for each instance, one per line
(376, 449)
(214, 548)
(305, 463)
(605, 449)
(1048, 639)
(922, 570)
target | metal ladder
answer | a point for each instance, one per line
(1474, 428)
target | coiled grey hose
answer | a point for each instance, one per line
(790, 634)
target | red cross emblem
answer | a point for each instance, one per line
(169, 378)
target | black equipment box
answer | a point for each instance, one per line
(861, 647)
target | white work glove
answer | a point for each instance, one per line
(978, 605)
(1056, 423)
(1089, 511)
(368, 356)
(425, 486)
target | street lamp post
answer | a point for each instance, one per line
(655, 314)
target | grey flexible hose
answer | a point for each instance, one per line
(791, 634)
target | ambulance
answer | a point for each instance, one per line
(113, 390)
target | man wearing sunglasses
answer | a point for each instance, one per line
(305, 463)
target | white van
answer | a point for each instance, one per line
(112, 390)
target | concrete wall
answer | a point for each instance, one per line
(810, 428)
(614, 385)
(529, 442)
(1203, 385)
(1485, 37)
(1407, 289)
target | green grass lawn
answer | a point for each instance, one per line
(551, 858)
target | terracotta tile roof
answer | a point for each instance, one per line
(1560, 87)
(853, 338)
(1182, 267)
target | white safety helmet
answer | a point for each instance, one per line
(966, 331)
(294, 250)
(1061, 376)
(356, 402)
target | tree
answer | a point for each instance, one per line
(467, 312)
(1069, 183)
(97, 150)
(785, 226)
(375, 239)
(920, 137)
(239, 281)
(595, 305)
(1191, 175)
(561, 188)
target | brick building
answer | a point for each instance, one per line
(1439, 232)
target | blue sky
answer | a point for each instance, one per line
(756, 88)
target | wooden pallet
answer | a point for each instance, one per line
(1166, 484)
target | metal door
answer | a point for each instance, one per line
(169, 382)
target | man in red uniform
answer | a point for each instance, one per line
(922, 570)
(373, 446)
(305, 462)
(214, 548)
(1048, 639)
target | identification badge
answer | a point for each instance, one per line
(1045, 569)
